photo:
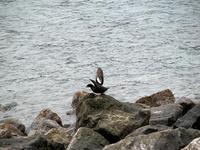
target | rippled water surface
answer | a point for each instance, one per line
(50, 48)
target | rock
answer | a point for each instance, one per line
(66, 126)
(78, 96)
(59, 135)
(41, 126)
(87, 139)
(30, 143)
(2, 108)
(11, 127)
(4, 133)
(191, 119)
(148, 129)
(9, 130)
(186, 103)
(7, 107)
(111, 118)
(70, 128)
(70, 112)
(165, 114)
(45, 121)
(194, 145)
(158, 99)
(48, 114)
(116, 124)
(11, 105)
(16, 123)
(169, 139)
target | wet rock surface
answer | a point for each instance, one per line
(87, 139)
(158, 99)
(165, 114)
(111, 118)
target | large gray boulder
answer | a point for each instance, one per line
(111, 118)
(30, 143)
(161, 98)
(169, 139)
(87, 139)
(194, 145)
(45, 121)
(165, 114)
(191, 119)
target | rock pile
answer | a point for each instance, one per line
(45, 132)
(154, 122)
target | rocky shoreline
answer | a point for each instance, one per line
(153, 122)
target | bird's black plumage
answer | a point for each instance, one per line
(97, 86)
(96, 89)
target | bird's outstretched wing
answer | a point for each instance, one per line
(99, 76)
(95, 83)
(98, 88)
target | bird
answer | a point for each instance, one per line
(97, 86)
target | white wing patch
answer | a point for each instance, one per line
(98, 80)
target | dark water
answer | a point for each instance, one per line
(50, 48)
